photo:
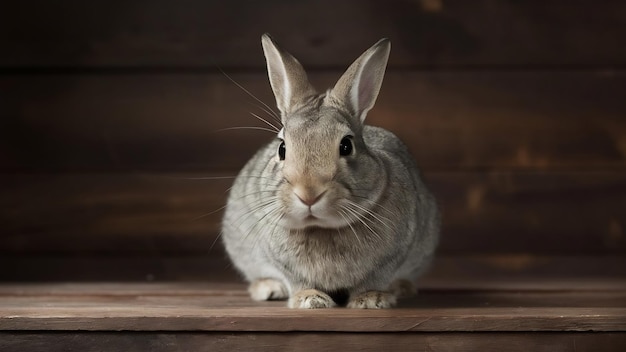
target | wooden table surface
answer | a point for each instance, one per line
(220, 316)
(227, 307)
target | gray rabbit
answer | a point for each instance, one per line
(331, 211)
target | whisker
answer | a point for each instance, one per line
(247, 92)
(374, 203)
(224, 207)
(360, 219)
(254, 194)
(219, 235)
(246, 128)
(372, 214)
(258, 176)
(255, 208)
(346, 217)
(209, 213)
(240, 197)
(192, 178)
(269, 113)
(264, 120)
(272, 209)
(207, 178)
(276, 220)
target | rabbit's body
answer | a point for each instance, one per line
(312, 221)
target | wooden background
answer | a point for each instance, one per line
(515, 111)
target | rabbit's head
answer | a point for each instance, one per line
(327, 175)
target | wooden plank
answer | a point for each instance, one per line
(170, 214)
(272, 319)
(201, 341)
(582, 293)
(137, 267)
(153, 310)
(200, 33)
(111, 213)
(532, 212)
(450, 120)
(475, 273)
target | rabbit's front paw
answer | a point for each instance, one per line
(310, 299)
(372, 300)
(267, 289)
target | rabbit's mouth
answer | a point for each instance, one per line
(313, 221)
(311, 218)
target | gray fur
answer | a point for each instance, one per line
(374, 222)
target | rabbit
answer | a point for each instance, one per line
(331, 212)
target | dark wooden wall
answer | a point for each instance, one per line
(515, 110)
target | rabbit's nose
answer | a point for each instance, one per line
(308, 198)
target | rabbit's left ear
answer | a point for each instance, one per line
(358, 88)
(287, 77)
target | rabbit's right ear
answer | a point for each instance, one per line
(287, 77)
(358, 88)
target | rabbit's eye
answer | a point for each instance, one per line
(345, 147)
(282, 150)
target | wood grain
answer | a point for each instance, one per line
(468, 273)
(277, 319)
(450, 120)
(175, 214)
(152, 310)
(302, 341)
(222, 310)
(206, 33)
